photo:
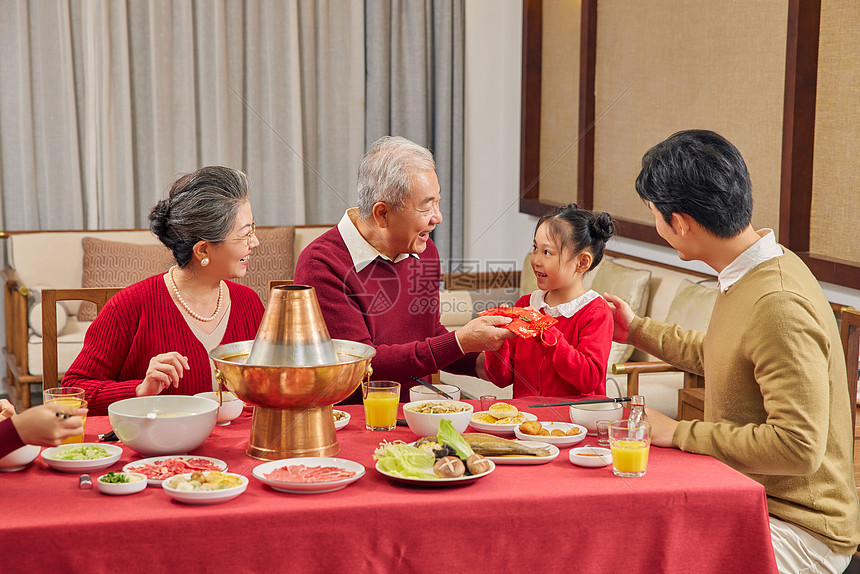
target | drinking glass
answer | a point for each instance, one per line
(380, 404)
(487, 401)
(629, 443)
(603, 432)
(67, 397)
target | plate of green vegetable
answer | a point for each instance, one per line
(81, 457)
(449, 461)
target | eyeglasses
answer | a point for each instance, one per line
(247, 238)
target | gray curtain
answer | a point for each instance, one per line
(414, 66)
(103, 103)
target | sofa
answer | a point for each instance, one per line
(99, 258)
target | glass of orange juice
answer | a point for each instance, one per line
(380, 404)
(68, 397)
(629, 443)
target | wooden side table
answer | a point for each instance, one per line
(691, 404)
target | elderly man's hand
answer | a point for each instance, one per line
(484, 334)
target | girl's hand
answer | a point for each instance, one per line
(164, 370)
(41, 425)
(480, 369)
(622, 316)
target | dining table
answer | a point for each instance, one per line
(689, 513)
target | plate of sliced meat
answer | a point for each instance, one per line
(309, 474)
(160, 468)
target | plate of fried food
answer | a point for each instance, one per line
(500, 419)
(341, 418)
(558, 434)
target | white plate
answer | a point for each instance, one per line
(343, 422)
(114, 452)
(206, 496)
(130, 467)
(559, 441)
(499, 430)
(437, 481)
(309, 487)
(525, 458)
(585, 456)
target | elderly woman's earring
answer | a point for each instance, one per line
(204, 262)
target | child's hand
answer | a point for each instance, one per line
(622, 315)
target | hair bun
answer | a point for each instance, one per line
(158, 218)
(603, 226)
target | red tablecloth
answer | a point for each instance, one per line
(688, 514)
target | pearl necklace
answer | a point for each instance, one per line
(185, 305)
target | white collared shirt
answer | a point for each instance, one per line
(567, 310)
(762, 250)
(361, 251)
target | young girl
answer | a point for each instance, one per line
(569, 358)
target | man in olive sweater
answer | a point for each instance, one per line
(776, 399)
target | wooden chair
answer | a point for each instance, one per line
(851, 347)
(99, 296)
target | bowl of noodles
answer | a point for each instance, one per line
(423, 416)
(163, 424)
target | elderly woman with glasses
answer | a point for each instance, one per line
(155, 336)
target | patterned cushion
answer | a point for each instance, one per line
(116, 264)
(271, 260)
(631, 285)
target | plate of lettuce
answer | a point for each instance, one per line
(411, 464)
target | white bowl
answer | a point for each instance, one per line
(559, 441)
(119, 488)
(588, 415)
(427, 424)
(590, 456)
(20, 458)
(165, 433)
(49, 456)
(205, 496)
(419, 393)
(339, 424)
(229, 409)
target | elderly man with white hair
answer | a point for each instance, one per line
(377, 273)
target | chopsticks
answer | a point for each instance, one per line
(586, 402)
(432, 388)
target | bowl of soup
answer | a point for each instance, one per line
(163, 424)
(423, 417)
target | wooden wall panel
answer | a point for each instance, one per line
(834, 225)
(559, 128)
(667, 65)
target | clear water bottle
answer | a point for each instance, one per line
(637, 409)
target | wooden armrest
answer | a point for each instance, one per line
(633, 370)
(13, 282)
(642, 367)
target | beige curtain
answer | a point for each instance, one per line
(104, 102)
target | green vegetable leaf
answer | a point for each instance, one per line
(447, 435)
(401, 459)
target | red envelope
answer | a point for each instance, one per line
(526, 323)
